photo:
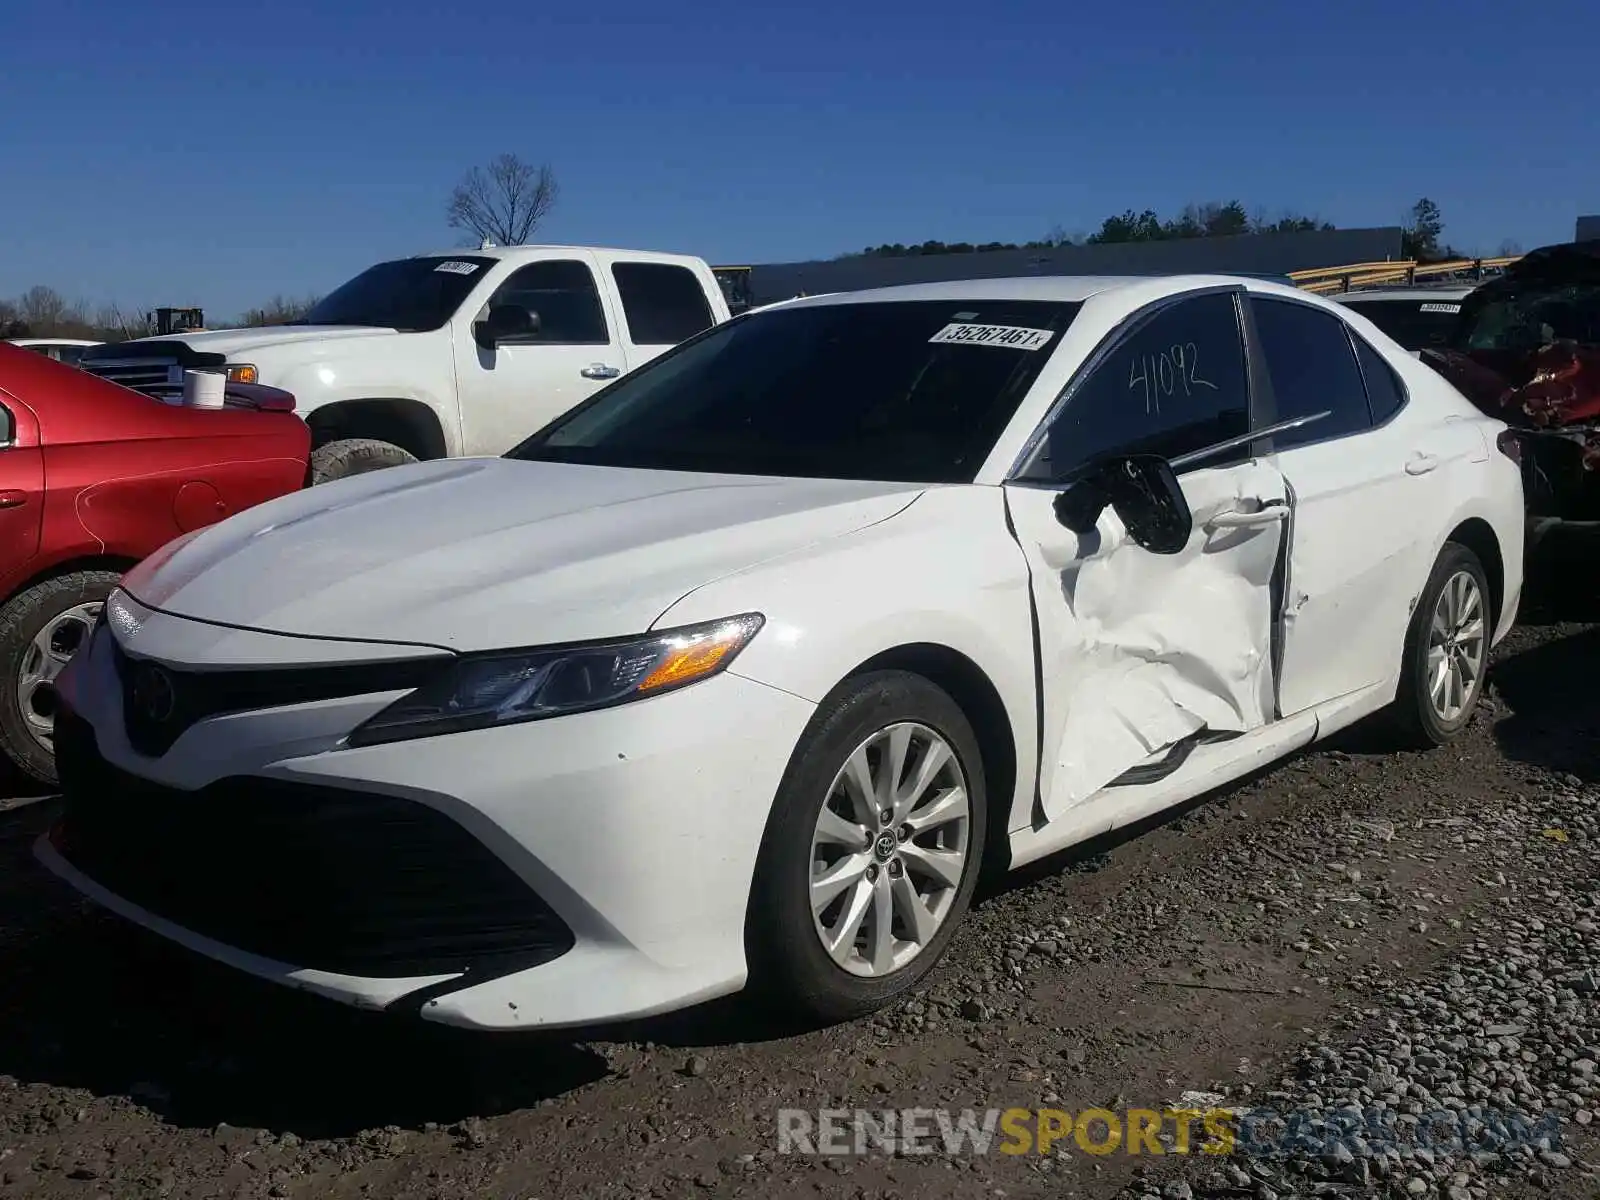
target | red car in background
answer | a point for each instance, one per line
(93, 478)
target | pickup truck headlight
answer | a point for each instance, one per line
(481, 690)
(243, 373)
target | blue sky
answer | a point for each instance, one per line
(222, 153)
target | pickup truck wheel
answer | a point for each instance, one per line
(40, 629)
(355, 456)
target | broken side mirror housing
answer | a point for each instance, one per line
(1142, 489)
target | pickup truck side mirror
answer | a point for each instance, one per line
(502, 323)
(1142, 490)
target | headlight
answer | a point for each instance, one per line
(481, 690)
(243, 373)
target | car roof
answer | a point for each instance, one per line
(46, 341)
(1061, 289)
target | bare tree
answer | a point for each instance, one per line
(44, 308)
(503, 202)
(114, 323)
(280, 310)
(1509, 248)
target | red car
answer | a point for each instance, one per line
(93, 478)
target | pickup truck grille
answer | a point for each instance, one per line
(150, 375)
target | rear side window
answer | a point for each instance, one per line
(1313, 370)
(562, 293)
(662, 304)
(8, 426)
(1385, 392)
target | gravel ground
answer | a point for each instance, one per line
(1407, 933)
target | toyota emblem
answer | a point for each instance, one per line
(154, 697)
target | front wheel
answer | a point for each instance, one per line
(354, 456)
(1447, 650)
(872, 850)
(40, 629)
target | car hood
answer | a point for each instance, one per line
(478, 554)
(245, 341)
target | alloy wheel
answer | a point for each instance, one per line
(889, 849)
(1457, 646)
(42, 661)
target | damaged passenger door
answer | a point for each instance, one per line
(1145, 649)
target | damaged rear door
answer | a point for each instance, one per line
(1141, 655)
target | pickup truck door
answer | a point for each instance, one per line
(1142, 654)
(662, 303)
(509, 392)
(21, 490)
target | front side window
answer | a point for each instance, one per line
(562, 294)
(1174, 385)
(915, 391)
(1313, 370)
(413, 295)
(662, 304)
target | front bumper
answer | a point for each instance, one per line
(588, 868)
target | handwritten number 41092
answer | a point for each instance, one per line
(1171, 372)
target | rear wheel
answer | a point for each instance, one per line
(1447, 650)
(872, 850)
(355, 456)
(40, 629)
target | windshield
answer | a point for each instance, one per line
(1415, 324)
(410, 294)
(910, 391)
(1527, 319)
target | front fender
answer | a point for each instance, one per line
(833, 606)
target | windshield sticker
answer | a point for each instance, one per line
(1444, 308)
(1007, 337)
(457, 268)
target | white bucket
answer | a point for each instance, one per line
(204, 389)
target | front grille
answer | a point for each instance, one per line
(152, 376)
(350, 882)
(159, 703)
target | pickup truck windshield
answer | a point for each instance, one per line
(410, 294)
(913, 391)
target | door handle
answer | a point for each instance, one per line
(600, 371)
(1245, 519)
(1421, 464)
(13, 499)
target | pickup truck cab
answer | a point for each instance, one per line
(461, 352)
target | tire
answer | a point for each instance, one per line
(784, 941)
(354, 456)
(58, 612)
(1416, 713)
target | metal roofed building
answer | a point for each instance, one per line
(1269, 254)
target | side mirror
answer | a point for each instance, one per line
(1142, 490)
(502, 323)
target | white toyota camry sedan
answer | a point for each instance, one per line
(740, 671)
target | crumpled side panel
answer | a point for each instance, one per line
(1140, 651)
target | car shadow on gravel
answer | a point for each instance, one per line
(87, 1001)
(1554, 720)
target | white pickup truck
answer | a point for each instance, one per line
(458, 353)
